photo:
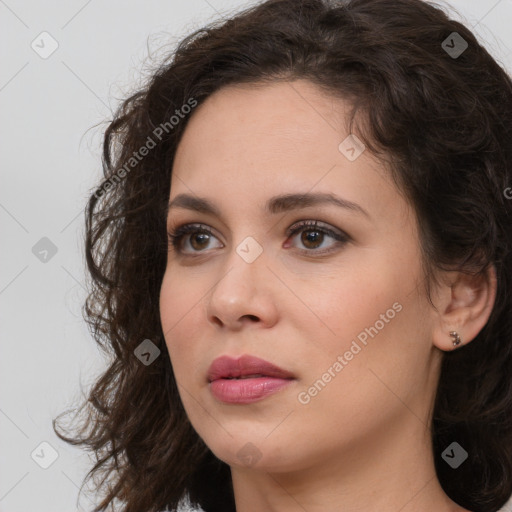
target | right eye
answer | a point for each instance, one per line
(199, 241)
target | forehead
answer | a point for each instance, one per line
(276, 129)
(271, 113)
(249, 143)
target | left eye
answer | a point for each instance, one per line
(312, 236)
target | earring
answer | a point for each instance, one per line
(456, 338)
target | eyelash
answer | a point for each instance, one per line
(176, 236)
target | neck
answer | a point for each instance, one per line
(394, 470)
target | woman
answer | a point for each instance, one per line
(301, 256)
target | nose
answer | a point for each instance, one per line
(244, 294)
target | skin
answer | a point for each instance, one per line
(363, 442)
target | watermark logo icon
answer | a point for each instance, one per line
(454, 455)
(454, 45)
(147, 352)
(44, 45)
(44, 250)
(352, 147)
(249, 249)
(249, 455)
(44, 455)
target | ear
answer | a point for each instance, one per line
(464, 304)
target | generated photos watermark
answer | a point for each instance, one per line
(304, 397)
(150, 143)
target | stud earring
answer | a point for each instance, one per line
(456, 338)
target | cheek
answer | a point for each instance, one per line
(381, 331)
(372, 316)
(371, 291)
(179, 307)
(350, 302)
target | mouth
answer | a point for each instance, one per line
(245, 367)
(246, 379)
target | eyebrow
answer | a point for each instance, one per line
(273, 206)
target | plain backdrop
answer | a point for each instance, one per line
(65, 67)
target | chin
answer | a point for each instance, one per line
(265, 455)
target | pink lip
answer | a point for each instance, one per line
(270, 379)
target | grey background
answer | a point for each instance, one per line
(53, 113)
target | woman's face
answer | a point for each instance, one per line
(340, 306)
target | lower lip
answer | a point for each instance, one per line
(246, 391)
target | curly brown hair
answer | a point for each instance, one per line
(443, 121)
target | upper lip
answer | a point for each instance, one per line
(226, 366)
